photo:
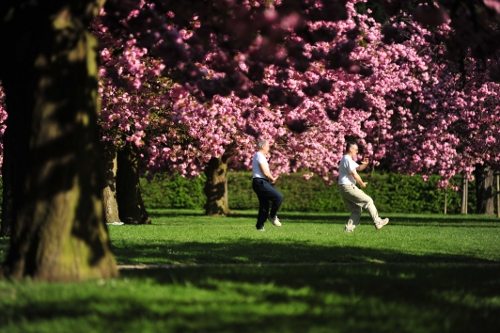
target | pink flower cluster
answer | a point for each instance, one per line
(3, 119)
(185, 85)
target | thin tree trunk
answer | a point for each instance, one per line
(216, 187)
(109, 192)
(445, 202)
(49, 72)
(497, 181)
(128, 192)
(465, 195)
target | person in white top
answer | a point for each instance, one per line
(262, 184)
(354, 198)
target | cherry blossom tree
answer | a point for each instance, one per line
(307, 81)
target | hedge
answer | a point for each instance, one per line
(393, 193)
(163, 191)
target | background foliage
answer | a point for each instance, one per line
(393, 193)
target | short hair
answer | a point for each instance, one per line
(349, 145)
(261, 143)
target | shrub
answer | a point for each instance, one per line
(393, 193)
(164, 191)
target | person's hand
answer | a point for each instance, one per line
(365, 161)
(363, 184)
(275, 179)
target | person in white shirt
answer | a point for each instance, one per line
(354, 198)
(262, 184)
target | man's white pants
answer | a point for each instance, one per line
(356, 200)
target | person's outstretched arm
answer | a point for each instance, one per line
(364, 164)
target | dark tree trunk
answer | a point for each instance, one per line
(484, 190)
(109, 193)
(128, 192)
(216, 187)
(49, 73)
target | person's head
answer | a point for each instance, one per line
(263, 145)
(351, 148)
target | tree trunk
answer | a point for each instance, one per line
(465, 195)
(484, 190)
(497, 186)
(216, 187)
(128, 192)
(109, 192)
(49, 73)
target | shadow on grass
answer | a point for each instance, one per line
(409, 293)
(383, 290)
(373, 298)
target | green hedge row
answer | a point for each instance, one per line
(393, 193)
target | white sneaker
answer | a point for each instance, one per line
(275, 221)
(115, 223)
(349, 227)
(381, 223)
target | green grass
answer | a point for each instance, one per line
(191, 273)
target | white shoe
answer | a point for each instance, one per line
(115, 223)
(275, 221)
(349, 227)
(381, 223)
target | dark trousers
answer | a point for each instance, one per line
(268, 196)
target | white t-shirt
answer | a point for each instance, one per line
(258, 158)
(346, 166)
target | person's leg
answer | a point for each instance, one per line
(272, 196)
(355, 210)
(263, 203)
(276, 199)
(355, 213)
(359, 198)
(263, 212)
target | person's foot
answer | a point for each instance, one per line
(261, 229)
(349, 227)
(275, 221)
(381, 223)
(115, 223)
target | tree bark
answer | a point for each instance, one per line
(497, 187)
(109, 193)
(465, 195)
(216, 187)
(484, 190)
(49, 72)
(128, 192)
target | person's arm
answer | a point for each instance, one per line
(364, 164)
(358, 178)
(265, 170)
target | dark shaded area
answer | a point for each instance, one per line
(244, 251)
(131, 207)
(412, 294)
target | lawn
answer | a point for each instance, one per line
(191, 273)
